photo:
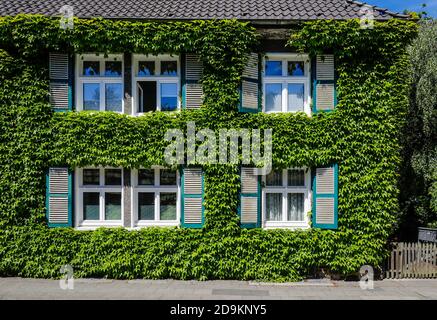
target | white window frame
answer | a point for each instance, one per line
(157, 77)
(156, 189)
(284, 80)
(285, 190)
(80, 189)
(101, 79)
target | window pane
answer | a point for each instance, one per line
(146, 177)
(113, 96)
(169, 96)
(295, 96)
(146, 68)
(296, 68)
(274, 178)
(274, 206)
(146, 96)
(113, 68)
(91, 96)
(168, 206)
(146, 206)
(295, 207)
(91, 208)
(169, 68)
(273, 97)
(112, 206)
(91, 68)
(296, 178)
(167, 177)
(91, 177)
(113, 177)
(273, 68)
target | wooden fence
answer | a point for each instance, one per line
(412, 260)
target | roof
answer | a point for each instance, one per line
(253, 10)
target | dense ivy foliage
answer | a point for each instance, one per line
(362, 135)
(419, 170)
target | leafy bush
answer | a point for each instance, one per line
(419, 178)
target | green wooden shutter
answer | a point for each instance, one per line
(324, 94)
(61, 81)
(192, 198)
(192, 92)
(325, 197)
(250, 86)
(59, 204)
(250, 199)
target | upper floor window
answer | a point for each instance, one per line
(99, 197)
(286, 198)
(99, 83)
(156, 84)
(286, 83)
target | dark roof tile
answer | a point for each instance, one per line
(198, 9)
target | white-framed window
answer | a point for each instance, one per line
(98, 197)
(156, 83)
(156, 197)
(286, 198)
(99, 82)
(286, 83)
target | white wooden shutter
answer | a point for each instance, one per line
(60, 81)
(324, 84)
(193, 88)
(192, 198)
(249, 198)
(59, 197)
(249, 101)
(325, 197)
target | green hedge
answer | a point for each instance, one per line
(362, 135)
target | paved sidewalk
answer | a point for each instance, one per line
(19, 288)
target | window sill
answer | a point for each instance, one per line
(92, 225)
(286, 225)
(151, 112)
(275, 112)
(146, 224)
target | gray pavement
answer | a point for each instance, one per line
(20, 288)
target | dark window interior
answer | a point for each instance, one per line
(146, 96)
(91, 177)
(113, 177)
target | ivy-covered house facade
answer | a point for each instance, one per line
(115, 86)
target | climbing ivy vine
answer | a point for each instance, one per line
(362, 135)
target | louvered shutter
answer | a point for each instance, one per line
(59, 197)
(249, 90)
(192, 198)
(192, 88)
(249, 209)
(325, 197)
(61, 75)
(324, 94)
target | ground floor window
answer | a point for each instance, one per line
(156, 197)
(286, 198)
(99, 196)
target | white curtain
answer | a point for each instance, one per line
(295, 206)
(274, 206)
(295, 97)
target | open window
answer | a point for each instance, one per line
(156, 83)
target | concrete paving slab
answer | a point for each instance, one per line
(411, 289)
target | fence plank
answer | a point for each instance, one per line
(412, 260)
